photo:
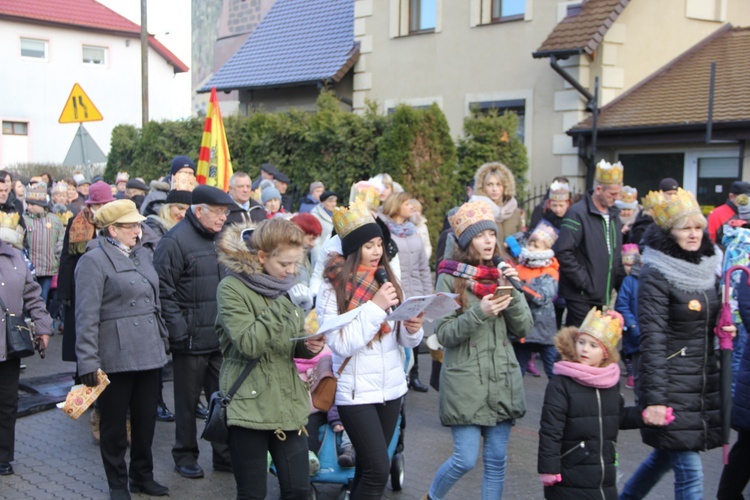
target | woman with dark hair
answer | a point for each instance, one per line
(678, 304)
(367, 351)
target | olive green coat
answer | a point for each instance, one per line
(480, 381)
(251, 326)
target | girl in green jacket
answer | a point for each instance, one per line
(260, 310)
(481, 391)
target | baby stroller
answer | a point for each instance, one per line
(331, 472)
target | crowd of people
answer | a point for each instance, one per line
(230, 288)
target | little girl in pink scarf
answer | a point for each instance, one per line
(583, 410)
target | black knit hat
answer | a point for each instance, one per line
(175, 196)
(180, 162)
(354, 240)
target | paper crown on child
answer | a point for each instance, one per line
(366, 192)
(471, 219)
(651, 199)
(355, 225)
(122, 177)
(631, 254)
(606, 328)
(628, 198)
(608, 173)
(559, 191)
(183, 181)
(545, 232)
(682, 204)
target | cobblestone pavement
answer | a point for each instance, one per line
(55, 456)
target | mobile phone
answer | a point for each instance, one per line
(503, 290)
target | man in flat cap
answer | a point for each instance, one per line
(267, 172)
(189, 273)
(281, 181)
(721, 214)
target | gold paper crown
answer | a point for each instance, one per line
(608, 173)
(652, 199)
(366, 192)
(311, 322)
(559, 191)
(604, 328)
(666, 213)
(9, 220)
(629, 195)
(185, 181)
(347, 219)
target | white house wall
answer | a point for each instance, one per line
(37, 90)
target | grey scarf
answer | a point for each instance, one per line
(682, 274)
(265, 284)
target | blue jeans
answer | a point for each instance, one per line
(465, 451)
(688, 475)
(45, 282)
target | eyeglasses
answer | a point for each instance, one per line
(131, 226)
(218, 211)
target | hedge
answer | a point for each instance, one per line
(338, 148)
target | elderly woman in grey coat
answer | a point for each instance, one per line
(120, 330)
(19, 292)
(416, 279)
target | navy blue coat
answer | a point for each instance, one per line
(741, 408)
(627, 305)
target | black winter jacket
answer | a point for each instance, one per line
(741, 406)
(578, 439)
(189, 273)
(678, 305)
(588, 271)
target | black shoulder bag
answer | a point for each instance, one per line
(216, 429)
(17, 335)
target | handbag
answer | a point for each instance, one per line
(323, 383)
(17, 335)
(216, 429)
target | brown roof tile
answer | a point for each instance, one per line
(582, 32)
(677, 94)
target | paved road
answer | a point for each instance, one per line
(55, 456)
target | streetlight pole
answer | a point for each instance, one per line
(144, 64)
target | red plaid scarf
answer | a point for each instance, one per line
(482, 279)
(362, 290)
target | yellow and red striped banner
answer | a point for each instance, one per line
(214, 163)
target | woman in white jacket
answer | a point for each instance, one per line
(372, 383)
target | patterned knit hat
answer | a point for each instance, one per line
(471, 219)
(606, 328)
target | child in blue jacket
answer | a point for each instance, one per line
(627, 305)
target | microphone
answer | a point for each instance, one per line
(381, 276)
(502, 265)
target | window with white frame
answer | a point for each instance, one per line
(517, 106)
(15, 128)
(92, 54)
(413, 17)
(508, 10)
(34, 48)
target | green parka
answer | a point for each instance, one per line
(251, 326)
(480, 382)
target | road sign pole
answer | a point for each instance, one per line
(83, 152)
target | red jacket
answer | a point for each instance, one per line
(718, 217)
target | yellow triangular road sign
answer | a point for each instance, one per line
(79, 108)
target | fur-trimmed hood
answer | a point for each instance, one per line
(565, 342)
(234, 253)
(506, 177)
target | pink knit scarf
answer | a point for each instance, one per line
(590, 376)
